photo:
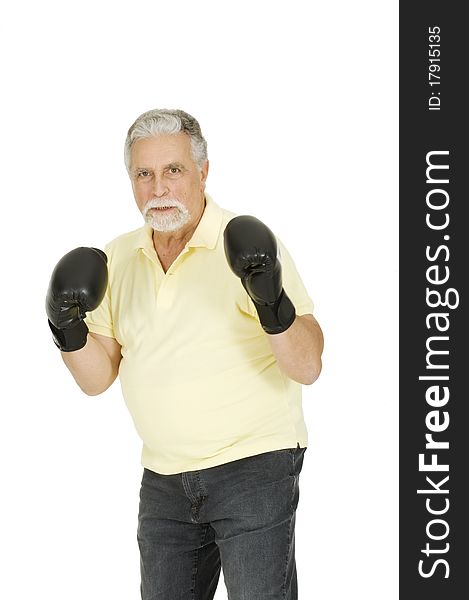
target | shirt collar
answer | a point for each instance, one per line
(207, 231)
(205, 235)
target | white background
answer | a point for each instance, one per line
(298, 103)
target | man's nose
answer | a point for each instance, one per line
(160, 188)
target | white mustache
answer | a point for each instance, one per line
(166, 203)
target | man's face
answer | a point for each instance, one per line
(167, 184)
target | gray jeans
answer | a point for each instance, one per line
(239, 516)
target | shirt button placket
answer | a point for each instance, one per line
(165, 294)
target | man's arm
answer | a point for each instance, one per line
(96, 365)
(296, 341)
(298, 349)
(78, 285)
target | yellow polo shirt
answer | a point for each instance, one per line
(197, 371)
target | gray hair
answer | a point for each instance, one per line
(166, 121)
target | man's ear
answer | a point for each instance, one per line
(204, 174)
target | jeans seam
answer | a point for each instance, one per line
(289, 537)
(196, 563)
(194, 573)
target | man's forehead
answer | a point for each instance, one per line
(162, 148)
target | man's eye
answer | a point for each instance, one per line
(143, 174)
(174, 170)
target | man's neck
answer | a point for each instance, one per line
(167, 242)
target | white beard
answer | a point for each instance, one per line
(162, 221)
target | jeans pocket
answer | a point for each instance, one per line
(298, 457)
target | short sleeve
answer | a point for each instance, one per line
(292, 284)
(100, 320)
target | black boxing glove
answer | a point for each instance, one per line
(77, 285)
(251, 252)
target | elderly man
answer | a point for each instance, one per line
(205, 319)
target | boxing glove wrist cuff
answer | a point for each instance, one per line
(69, 340)
(276, 318)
